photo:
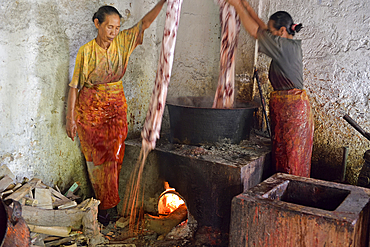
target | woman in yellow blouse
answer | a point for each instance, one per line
(97, 107)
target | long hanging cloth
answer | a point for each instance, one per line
(153, 121)
(230, 23)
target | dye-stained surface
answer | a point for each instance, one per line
(207, 177)
(287, 210)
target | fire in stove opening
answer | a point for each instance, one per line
(169, 200)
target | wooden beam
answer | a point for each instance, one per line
(62, 217)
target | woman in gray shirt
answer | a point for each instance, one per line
(290, 111)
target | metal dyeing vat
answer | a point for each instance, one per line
(193, 121)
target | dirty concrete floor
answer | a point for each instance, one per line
(204, 237)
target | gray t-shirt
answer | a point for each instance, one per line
(286, 66)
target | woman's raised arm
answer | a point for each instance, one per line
(253, 14)
(152, 14)
(246, 17)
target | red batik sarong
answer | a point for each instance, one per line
(292, 130)
(101, 115)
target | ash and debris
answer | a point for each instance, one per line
(179, 236)
(224, 151)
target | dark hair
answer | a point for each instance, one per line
(283, 19)
(104, 11)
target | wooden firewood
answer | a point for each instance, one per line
(43, 196)
(59, 241)
(69, 204)
(71, 217)
(4, 170)
(51, 230)
(5, 193)
(58, 194)
(24, 190)
(5, 182)
(122, 222)
(16, 186)
(31, 195)
(89, 220)
(57, 203)
(30, 202)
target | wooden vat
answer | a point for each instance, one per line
(287, 210)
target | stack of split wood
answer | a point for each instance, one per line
(50, 215)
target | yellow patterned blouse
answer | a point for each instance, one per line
(95, 65)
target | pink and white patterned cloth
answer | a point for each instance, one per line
(230, 23)
(153, 121)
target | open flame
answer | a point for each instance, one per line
(169, 200)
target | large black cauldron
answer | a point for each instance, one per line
(193, 121)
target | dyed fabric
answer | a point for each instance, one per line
(153, 120)
(230, 23)
(101, 109)
(95, 65)
(101, 115)
(292, 131)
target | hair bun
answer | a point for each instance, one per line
(296, 27)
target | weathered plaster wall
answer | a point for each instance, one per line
(40, 38)
(38, 45)
(336, 73)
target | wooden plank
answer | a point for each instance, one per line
(43, 196)
(4, 170)
(58, 202)
(24, 190)
(59, 231)
(59, 242)
(5, 182)
(69, 204)
(46, 217)
(60, 199)
(58, 194)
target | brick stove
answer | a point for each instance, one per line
(287, 210)
(207, 177)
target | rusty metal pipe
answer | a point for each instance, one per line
(356, 126)
(344, 163)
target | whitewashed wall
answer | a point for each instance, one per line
(39, 40)
(336, 73)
